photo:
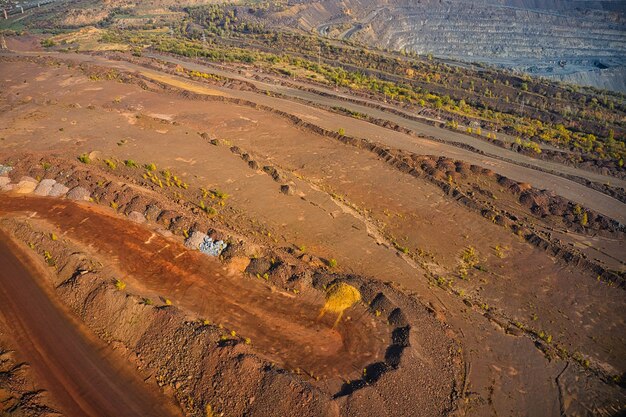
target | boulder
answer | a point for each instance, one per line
(152, 212)
(44, 187)
(164, 232)
(26, 185)
(286, 189)
(79, 194)
(136, 217)
(58, 190)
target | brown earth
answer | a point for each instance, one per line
(535, 327)
(88, 290)
(78, 372)
(285, 328)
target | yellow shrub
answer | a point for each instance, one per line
(340, 297)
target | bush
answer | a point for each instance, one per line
(340, 297)
(84, 158)
(469, 257)
(48, 43)
(219, 194)
(111, 164)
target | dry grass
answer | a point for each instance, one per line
(87, 39)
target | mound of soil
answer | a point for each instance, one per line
(211, 363)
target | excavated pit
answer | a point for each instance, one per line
(282, 327)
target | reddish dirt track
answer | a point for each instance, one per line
(76, 371)
(284, 328)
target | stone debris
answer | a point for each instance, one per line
(44, 187)
(58, 190)
(5, 169)
(26, 185)
(4, 181)
(211, 247)
(136, 217)
(195, 240)
(78, 193)
(205, 244)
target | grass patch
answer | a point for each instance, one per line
(207, 209)
(110, 163)
(219, 194)
(47, 256)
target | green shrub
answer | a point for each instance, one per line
(48, 43)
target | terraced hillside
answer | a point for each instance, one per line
(557, 39)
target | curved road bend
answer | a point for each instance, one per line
(77, 373)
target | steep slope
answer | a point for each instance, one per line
(558, 39)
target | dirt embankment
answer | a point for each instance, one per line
(80, 378)
(539, 202)
(205, 362)
(405, 111)
(285, 328)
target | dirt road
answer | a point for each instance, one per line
(331, 98)
(510, 164)
(78, 372)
